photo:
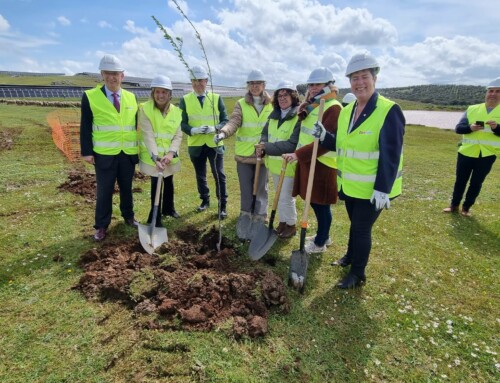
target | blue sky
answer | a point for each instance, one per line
(416, 42)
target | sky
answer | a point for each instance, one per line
(416, 42)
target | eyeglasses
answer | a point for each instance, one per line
(283, 96)
(255, 82)
(317, 84)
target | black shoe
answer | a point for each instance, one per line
(172, 213)
(205, 204)
(351, 281)
(342, 262)
(131, 222)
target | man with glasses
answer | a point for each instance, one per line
(202, 113)
(108, 140)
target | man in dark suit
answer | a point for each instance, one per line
(108, 140)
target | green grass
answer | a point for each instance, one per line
(429, 312)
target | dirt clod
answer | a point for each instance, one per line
(186, 284)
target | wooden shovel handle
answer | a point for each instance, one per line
(310, 180)
(256, 175)
(284, 163)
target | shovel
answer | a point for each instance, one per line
(151, 236)
(265, 237)
(246, 221)
(300, 259)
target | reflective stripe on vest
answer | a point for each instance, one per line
(164, 129)
(275, 134)
(306, 128)
(482, 141)
(113, 132)
(201, 116)
(248, 134)
(358, 152)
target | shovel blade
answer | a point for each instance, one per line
(151, 239)
(299, 262)
(262, 241)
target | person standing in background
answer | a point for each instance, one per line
(369, 145)
(478, 150)
(160, 137)
(280, 136)
(108, 140)
(202, 113)
(247, 120)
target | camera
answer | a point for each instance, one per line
(480, 123)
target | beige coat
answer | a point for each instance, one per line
(235, 122)
(146, 128)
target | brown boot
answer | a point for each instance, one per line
(450, 209)
(288, 232)
(280, 228)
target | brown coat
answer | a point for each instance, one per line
(324, 189)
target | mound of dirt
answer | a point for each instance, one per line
(7, 138)
(83, 183)
(187, 284)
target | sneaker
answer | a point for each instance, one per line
(311, 248)
(100, 234)
(313, 237)
(205, 204)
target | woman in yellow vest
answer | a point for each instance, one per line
(280, 136)
(479, 148)
(369, 145)
(324, 189)
(249, 116)
(160, 137)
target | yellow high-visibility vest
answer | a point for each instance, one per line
(249, 132)
(201, 116)
(482, 141)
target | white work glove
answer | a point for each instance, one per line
(380, 200)
(319, 131)
(219, 137)
(209, 129)
(199, 130)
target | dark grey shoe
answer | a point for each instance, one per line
(205, 204)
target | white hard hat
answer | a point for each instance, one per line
(198, 73)
(286, 85)
(161, 82)
(255, 75)
(111, 63)
(494, 84)
(361, 61)
(320, 75)
(348, 98)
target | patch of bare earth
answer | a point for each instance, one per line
(7, 138)
(186, 284)
(82, 183)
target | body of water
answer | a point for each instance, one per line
(441, 120)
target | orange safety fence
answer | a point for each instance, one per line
(65, 126)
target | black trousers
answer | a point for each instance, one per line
(119, 168)
(166, 203)
(475, 169)
(362, 215)
(217, 165)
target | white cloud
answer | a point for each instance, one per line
(4, 24)
(64, 21)
(104, 24)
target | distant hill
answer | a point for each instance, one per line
(444, 95)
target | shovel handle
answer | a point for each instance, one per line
(310, 179)
(284, 163)
(157, 201)
(256, 176)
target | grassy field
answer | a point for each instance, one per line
(429, 311)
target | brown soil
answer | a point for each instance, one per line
(83, 183)
(186, 284)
